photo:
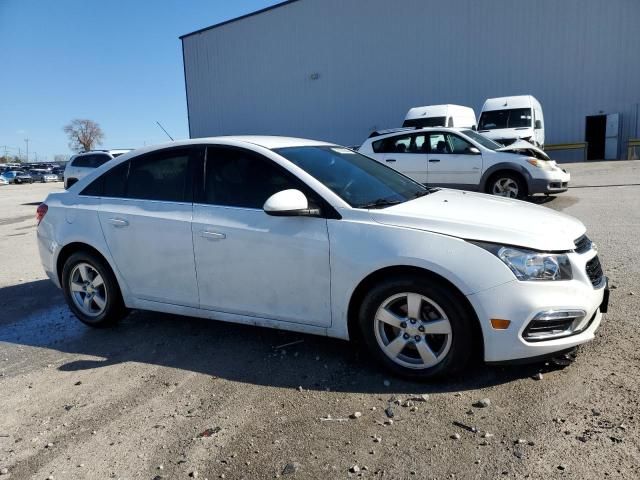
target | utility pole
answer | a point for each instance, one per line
(26, 140)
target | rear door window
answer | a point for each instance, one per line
(160, 175)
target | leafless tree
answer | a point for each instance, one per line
(83, 134)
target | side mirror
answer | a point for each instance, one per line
(538, 125)
(289, 203)
(474, 128)
(473, 151)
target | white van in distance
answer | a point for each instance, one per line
(507, 119)
(441, 116)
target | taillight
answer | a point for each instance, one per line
(41, 212)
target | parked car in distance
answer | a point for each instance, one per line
(507, 119)
(441, 116)
(313, 237)
(42, 175)
(464, 159)
(84, 163)
(58, 172)
(18, 176)
(3, 181)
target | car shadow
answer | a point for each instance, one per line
(37, 316)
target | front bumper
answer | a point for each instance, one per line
(520, 302)
(555, 182)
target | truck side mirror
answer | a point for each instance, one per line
(538, 124)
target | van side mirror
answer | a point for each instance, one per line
(473, 151)
(538, 124)
(474, 128)
(289, 203)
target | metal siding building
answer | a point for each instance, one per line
(337, 69)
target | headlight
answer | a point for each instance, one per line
(543, 164)
(530, 265)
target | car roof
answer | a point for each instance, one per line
(397, 132)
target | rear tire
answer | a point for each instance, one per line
(91, 290)
(416, 327)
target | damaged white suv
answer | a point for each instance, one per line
(313, 237)
(464, 159)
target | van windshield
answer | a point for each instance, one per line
(426, 122)
(512, 118)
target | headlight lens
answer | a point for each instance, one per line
(528, 265)
(543, 164)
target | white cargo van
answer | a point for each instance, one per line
(507, 119)
(441, 116)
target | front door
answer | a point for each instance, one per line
(145, 213)
(452, 163)
(250, 263)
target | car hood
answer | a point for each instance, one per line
(525, 148)
(477, 216)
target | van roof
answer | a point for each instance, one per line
(435, 111)
(516, 101)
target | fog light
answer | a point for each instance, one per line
(500, 324)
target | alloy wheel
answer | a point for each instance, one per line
(506, 187)
(413, 330)
(87, 289)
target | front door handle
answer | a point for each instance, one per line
(212, 235)
(434, 160)
(118, 222)
(390, 160)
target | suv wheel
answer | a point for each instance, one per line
(416, 328)
(91, 290)
(507, 184)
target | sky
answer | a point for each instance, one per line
(116, 62)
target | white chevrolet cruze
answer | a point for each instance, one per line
(313, 237)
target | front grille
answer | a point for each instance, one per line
(583, 244)
(594, 271)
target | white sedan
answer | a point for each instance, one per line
(313, 237)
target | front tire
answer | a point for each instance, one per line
(507, 184)
(416, 327)
(91, 290)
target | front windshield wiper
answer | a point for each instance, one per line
(426, 192)
(380, 203)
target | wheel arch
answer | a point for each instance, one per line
(74, 247)
(501, 167)
(383, 273)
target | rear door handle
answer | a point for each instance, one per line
(212, 235)
(390, 160)
(118, 222)
(434, 160)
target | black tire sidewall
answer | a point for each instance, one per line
(461, 325)
(114, 309)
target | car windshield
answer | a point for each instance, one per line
(482, 140)
(360, 181)
(511, 118)
(426, 122)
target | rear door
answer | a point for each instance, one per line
(452, 162)
(145, 213)
(404, 153)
